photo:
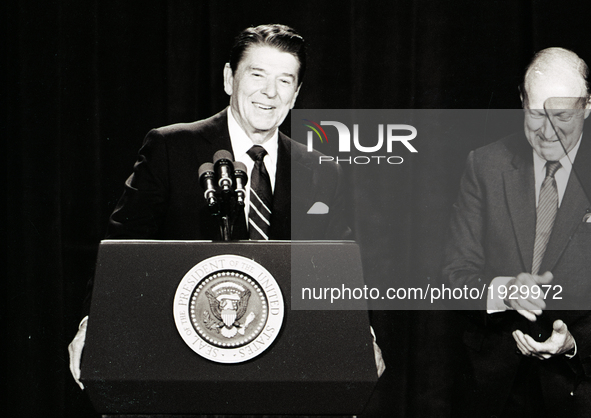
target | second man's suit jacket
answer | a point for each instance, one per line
(492, 234)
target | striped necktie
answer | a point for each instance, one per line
(545, 214)
(261, 196)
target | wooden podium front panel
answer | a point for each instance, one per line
(135, 361)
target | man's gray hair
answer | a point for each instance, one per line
(564, 58)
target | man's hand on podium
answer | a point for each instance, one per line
(75, 349)
(380, 365)
(77, 345)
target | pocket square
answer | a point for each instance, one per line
(318, 208)
(587, 218)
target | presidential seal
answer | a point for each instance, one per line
(228, 309)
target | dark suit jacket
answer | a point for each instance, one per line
(164, 200)
(492, 234)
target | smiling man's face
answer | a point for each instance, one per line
(262, 90)
(545, 133)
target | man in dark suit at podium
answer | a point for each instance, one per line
(163, 198)
(522, 221)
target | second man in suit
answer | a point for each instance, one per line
(521, 222)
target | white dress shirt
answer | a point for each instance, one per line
(561, 175)
(241, 143)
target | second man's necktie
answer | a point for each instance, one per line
(545, 214)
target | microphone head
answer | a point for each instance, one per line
(207, 169)
(240, 174)
(222, 155)
(239, 168)
(223, 164)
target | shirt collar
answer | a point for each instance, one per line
(566, 162)
(241, 142)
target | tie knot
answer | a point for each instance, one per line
(552, 167)
(257, 153)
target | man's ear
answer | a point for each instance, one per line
(295, 96)
(228, 79)
(521, 95)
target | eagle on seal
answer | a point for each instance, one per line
(228, 310)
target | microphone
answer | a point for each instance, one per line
(223, 164)
(241, 180)
(207, 180)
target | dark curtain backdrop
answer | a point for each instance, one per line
(88, 79)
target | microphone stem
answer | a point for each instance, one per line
(225, 228)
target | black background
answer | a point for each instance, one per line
(88, 79)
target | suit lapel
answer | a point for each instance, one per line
(572, 209)
(214, 136)
(217, 134)
(519, 191)
(281, 218)
(210, 135)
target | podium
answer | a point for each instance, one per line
(136, 362)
